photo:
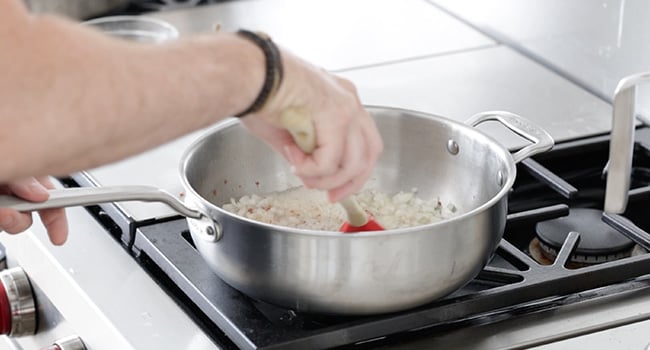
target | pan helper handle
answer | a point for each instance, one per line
(541, 140)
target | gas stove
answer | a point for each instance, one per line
(556, 251)
(564, 272)
(559, 252)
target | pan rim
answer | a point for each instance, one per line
(494, 145)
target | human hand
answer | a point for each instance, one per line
(33, 189)
(348, 142)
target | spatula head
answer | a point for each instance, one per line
(371, 225)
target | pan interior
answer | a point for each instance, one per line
(440, 158)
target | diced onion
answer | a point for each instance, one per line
(303, 208)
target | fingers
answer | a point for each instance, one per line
(351, 187)
(352, 177)
(348, 142)
(335, 129)
(352, 162)
(363, 148)
(331, 146)
(54, 220)
(56, 223)
(348, 147)
(32, 189)
(12, 221)
(279, 139)
(374, 149)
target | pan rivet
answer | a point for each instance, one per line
(500, 178)
(452, 147)
(209, 230)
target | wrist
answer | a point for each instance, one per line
(273, 70)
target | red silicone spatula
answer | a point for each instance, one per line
(298, 122)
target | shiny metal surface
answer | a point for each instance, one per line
(369, 272)
(84, 196)
(594, 43)
(51, 324)
(21, 301)
(541, 140)
(339, 34)
(619, 169)
(70, 343)
(94, 285)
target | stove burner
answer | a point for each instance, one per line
(598, 241)
(538, 254)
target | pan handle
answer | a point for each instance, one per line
(81, 196)
(542, 140)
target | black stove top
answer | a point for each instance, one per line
(556, 250)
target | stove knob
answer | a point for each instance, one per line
(17, 305)
(68, 343)
(3, 257)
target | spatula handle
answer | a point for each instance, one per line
(356, 215)
(299, 124)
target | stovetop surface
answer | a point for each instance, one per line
(520, 279)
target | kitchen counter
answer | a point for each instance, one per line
(339, 34)
(497, 78)
(594, 43)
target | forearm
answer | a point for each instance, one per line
(72, 99)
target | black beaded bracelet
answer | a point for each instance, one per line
(274, 72)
